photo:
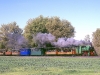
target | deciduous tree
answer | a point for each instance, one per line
(54, 25)
(60, 28)
(10, 35)
(96, 41)
(35, 26)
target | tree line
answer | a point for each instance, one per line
(12, 36)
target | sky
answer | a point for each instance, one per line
(84, 15)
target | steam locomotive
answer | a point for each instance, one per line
(50, 51)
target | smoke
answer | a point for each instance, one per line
(16, 41)
(70, 42)
(65, 42)
(43, 38)
(22, 41)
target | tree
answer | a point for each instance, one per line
(96, 41)
(60, 28)
(55, 26)
(35, 26)
(2, 45)
(10, 34)
(87, 38)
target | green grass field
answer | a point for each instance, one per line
(16, 65)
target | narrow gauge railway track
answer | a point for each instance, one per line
(53, 56)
